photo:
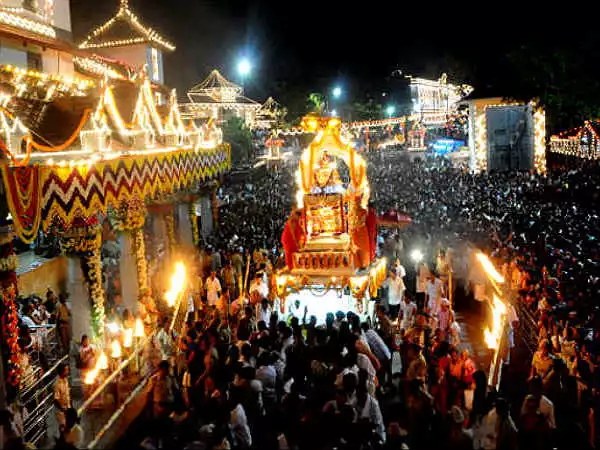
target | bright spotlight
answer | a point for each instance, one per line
(416, 255)
(390, 110)
(337, 92)
(244, 67)
(333, 113)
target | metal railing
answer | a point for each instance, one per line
(44, 346)
(37, 400)
(109, 417)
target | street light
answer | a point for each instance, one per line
(390, 110)
(333, 113)
(337, 92)
(244, 67)
(417, 256)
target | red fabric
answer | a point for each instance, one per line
(292, 238)
(372, 230)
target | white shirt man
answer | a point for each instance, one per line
(213, 289)
(260, 287)
(396, 290)
(432, 288)
(408, 313)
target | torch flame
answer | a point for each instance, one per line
(102, 363)
(115, 349)
(90, 377)
(139, 328)
(492, 337)
(128, 338)
(489, 268)
(177, 283)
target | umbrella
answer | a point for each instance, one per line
(394, 219)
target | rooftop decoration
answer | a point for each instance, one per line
(581, 142)
(124, 29)
(13, 18)
(216, 94)
(216, 87)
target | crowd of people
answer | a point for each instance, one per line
(244, 376)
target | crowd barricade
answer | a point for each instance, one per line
(44, 344)
(529, 330)
(37, 400)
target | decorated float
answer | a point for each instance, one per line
(330, 238)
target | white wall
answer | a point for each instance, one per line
(56, 62)
(134, 55)
(62, 14)
(160, 79)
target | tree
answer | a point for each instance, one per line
(369, 110)
(239, 137)
(316, 102)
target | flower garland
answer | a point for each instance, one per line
(10, 335)
(140, 258)
(170, 224)
(93, 276)
(9, 263)
(194, 222)
(130, 215)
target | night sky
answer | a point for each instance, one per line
(311, 45)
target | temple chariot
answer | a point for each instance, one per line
(330, 239)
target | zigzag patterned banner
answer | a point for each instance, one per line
(71, 191)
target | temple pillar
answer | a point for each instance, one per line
(186, 235)
(128, 271)
(169, 219)
(131, 218)
(206, 216)
(159, 229)
(193, 219)
(82, 242)
(78, 298)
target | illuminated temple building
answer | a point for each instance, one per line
(94, 152)
(219, 99)
(435, 100)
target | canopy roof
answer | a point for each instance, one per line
(124, 29)
(217, 89)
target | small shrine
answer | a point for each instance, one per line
(219, 99)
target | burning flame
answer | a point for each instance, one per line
(177, 282)
(139, 329)
(112, 327)
(128, 338)
(492, 337)
(90, 377)
(115, 349)
(102, 363)
(489, 268)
